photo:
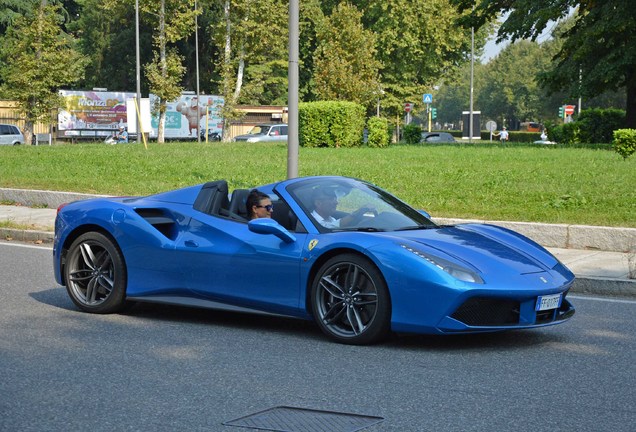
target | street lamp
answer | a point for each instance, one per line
(380, 93)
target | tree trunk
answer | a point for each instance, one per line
(226, 64)
(239, 77)
(164, 71)
(630, 106)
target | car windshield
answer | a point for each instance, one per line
(353, 205)
(259, 130)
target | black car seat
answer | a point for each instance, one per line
(238, 202)
(212, 198)
(285, 216)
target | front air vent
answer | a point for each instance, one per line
(482, 311)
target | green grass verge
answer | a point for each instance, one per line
(521, 183)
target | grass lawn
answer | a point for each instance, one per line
(520, 183)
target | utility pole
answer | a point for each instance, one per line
(292, 91)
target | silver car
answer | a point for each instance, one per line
(10, 135)
(265, 132)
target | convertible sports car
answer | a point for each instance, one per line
(380, 266)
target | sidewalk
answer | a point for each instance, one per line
(598, 272)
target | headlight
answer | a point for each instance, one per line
(455, 270)
(252, 140)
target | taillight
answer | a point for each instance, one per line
(61, 206)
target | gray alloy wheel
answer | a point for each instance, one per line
(350, 300)
(95, 274)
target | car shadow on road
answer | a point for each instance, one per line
(58, 298)
(513, 339)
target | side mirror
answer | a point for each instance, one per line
(270, 226)
(425, 213)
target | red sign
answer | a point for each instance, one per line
(569, 109)
(408, 107)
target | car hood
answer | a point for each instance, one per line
(484, 247)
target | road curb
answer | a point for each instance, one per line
(29, 236)
(604, 287)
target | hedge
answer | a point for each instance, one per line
(330, 124)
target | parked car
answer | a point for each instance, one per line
(10, 135)
(340, 251)
(265, 132)
(435, 137)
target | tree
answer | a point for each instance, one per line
(106, 33)
(37, 58)
(597, 54)
(419, 45)
(510, 92)
(253, 35)
(175, 21)
(345, 66)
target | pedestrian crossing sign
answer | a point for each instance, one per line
(427, 98)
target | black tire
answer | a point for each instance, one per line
(350, 300)
(95, 274)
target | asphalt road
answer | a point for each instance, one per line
(161, 368)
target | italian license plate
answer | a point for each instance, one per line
(548, 302)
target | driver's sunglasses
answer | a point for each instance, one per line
(268, 207)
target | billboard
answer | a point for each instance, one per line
(182, 116)
(91, 113)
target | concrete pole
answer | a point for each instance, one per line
(472, 79)
(196, 55)
(292, 91)
(138, 70)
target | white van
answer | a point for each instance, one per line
(10, 135)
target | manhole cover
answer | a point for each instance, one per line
(290, 419)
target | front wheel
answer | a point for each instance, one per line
(350, 300)
(95, 274)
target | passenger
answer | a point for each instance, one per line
(258, 205)
(325, 203)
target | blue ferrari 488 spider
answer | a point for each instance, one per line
(340, 251)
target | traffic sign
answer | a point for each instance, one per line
(569, 109)
(427, 98)
(408, 107)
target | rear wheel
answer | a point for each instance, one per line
(350, 301)
(95, 274)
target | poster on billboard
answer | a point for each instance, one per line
(182, 116)
(86, 114)
(144, 112)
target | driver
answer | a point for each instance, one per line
(325, 202)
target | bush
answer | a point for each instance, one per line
(378, 132)
(625, 142)
(330, 124)
(598, 125)
(412, 134)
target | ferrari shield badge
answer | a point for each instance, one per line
(312, 244)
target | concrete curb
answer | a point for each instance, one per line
(42, 198)
(604, 287)
(28, 236)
